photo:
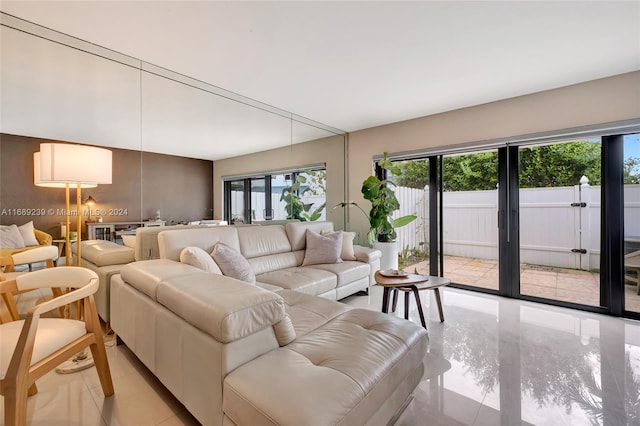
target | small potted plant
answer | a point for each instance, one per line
(382, 231)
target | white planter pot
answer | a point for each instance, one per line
(389, 259)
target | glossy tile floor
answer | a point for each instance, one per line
(494, 361)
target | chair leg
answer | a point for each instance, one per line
(98, 350)
(102, 367)
(15, 406)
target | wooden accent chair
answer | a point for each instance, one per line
(47, 254)
(8, 257)
(32, 347)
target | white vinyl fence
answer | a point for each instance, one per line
(558, 226)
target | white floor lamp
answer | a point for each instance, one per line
(64, 165)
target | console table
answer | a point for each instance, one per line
(111, 231)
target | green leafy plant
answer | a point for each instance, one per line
(383, 203)
(295, 207)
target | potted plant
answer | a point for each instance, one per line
(382, 231)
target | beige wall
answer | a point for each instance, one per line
(599, 101)
(143, 182)
(328, 150)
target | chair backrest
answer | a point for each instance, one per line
(64, 276)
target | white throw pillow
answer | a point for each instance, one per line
(10, 237)
(347, 252)
(199, 258)
(232, 263)
(28, 236)
(322, 248)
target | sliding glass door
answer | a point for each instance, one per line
(560, 221)
(470, 219)
(555, 222)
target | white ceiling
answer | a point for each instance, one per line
(354, 65)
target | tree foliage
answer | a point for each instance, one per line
(560, 164)
(295, 207)
(541, 166)
(631, 171)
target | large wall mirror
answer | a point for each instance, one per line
(167, 131)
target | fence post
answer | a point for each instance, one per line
(585, 223)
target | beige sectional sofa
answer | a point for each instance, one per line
(269, 353)
(275, 254)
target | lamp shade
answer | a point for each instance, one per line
(37, 180)
(90, 201)
(71, 163)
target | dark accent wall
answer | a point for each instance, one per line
(181, 188)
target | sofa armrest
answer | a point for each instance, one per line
(43, 238)
(366, 254)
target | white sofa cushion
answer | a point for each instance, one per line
(264, 264)
(308, 312)
(104, 253)
(263, 240)
(347, 272)
(303, 279)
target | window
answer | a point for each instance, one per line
(290, 195)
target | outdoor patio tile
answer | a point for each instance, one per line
(542, 281)
(539, 272)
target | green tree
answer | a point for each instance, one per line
(559, 164)
(471, 172)
(631, 171)
(541, 166)
(414, 174)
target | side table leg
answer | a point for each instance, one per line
(395, 299)
(417, 296)
(439, 302)
(406, 305)
(385, 299)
